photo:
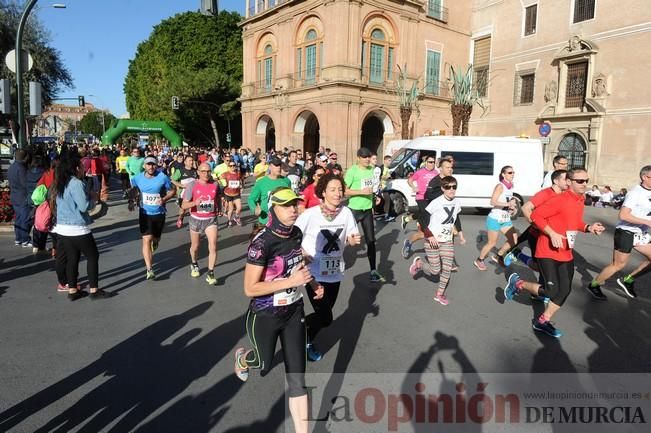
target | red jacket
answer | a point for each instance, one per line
(563, 213)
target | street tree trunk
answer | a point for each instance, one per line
(215, 132)
(457, 115)
(466, 120)
(405, 115)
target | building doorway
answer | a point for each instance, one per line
(270, 136)
(308, 125)
(373, 135)
(573, 147)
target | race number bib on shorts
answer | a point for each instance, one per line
(443, 233)
(643, 238)
(233, 184)
(287, 296)
(330, 266)
(206, 206)
(367, 183)
(571, 237)
(151, 199)
(503, 217)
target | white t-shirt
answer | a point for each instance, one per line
(498, 213)
(606, 197)
(638, 200)
(443, 213)
(325, 240)
(547, 180)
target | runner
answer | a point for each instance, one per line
(326, 230)
(359, 187)
(121, 168)
(294, 171)
(216, 174)
(309, 196)
(184, 178)
(559, 219)
(420, 181)
(259, 198)
(530, 235)
(499, 218)
(439, 243)
(232, 194)
(273, 274)
(559, 163)
(202, 199)
(632, 233)
(156, 189)
(135, 163)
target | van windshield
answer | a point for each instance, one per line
(401, 157)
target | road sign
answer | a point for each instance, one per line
(10, 60)
(545, 140)
(545, 129)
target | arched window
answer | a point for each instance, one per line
(265, 70)
(380, 57)
(573, 147)
(309, 57)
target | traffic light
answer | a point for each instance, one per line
(175, 102)
(82, 101)
(35, 102)
(228, 137)
(5, 96)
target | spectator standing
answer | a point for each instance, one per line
(17, 176)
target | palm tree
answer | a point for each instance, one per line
(465, 94)
(408, 100)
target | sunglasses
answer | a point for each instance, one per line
(580, 181)
(430, 162)
(448, 187)
(509, 172)
(231, 165)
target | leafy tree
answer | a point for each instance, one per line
(465, 95)
(408, 96)
(96, 122)
(48, 66)
(197, 58)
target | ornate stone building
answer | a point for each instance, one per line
(582, 66)
(323, 73)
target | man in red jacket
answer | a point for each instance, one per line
(559, 219)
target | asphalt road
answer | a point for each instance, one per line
(158, 356)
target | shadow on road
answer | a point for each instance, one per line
(144, 373)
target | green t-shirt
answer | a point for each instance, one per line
(360, 178)
(260, 195)
(135, 166)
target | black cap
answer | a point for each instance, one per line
(363, 152)
(275, 161)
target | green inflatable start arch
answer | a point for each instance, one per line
(129, 125)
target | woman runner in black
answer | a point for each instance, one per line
(273, 275)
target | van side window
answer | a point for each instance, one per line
(475, 163)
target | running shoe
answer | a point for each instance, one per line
(194, 271)
(150, 274)
(498, 259)
(455, 265)
(242, 373)
(154, 245)
(628, 288)
(389, 218)
(313, 354)
(415, 267)
(231, 223)
(544, 299)
(406, 249)
(238, 221)
(101, 294)
(547, 328)
(77, 295)
(509, 259)
(376, 277)
(18, 243)
(27, 244)
(403, 221)
(210, 279)
(479, 264)
(510, 290)
(596, 292)
(179, 223)
(441, 299)
(62, 288)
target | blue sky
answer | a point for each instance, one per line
(97, 38)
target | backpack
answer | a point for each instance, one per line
(43, 217)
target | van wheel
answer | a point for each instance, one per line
(399, 202)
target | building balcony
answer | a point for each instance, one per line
(436, 11)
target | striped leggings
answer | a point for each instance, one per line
(439, 261)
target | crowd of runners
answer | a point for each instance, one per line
(308, 209)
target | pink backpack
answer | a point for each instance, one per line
(43, 217)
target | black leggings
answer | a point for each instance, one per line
(68, 263)
(322, 316)
(557, 278)
(264, 328)
(368, 228)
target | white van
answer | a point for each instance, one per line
(477, 165)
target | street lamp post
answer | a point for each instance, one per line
(20, 91)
